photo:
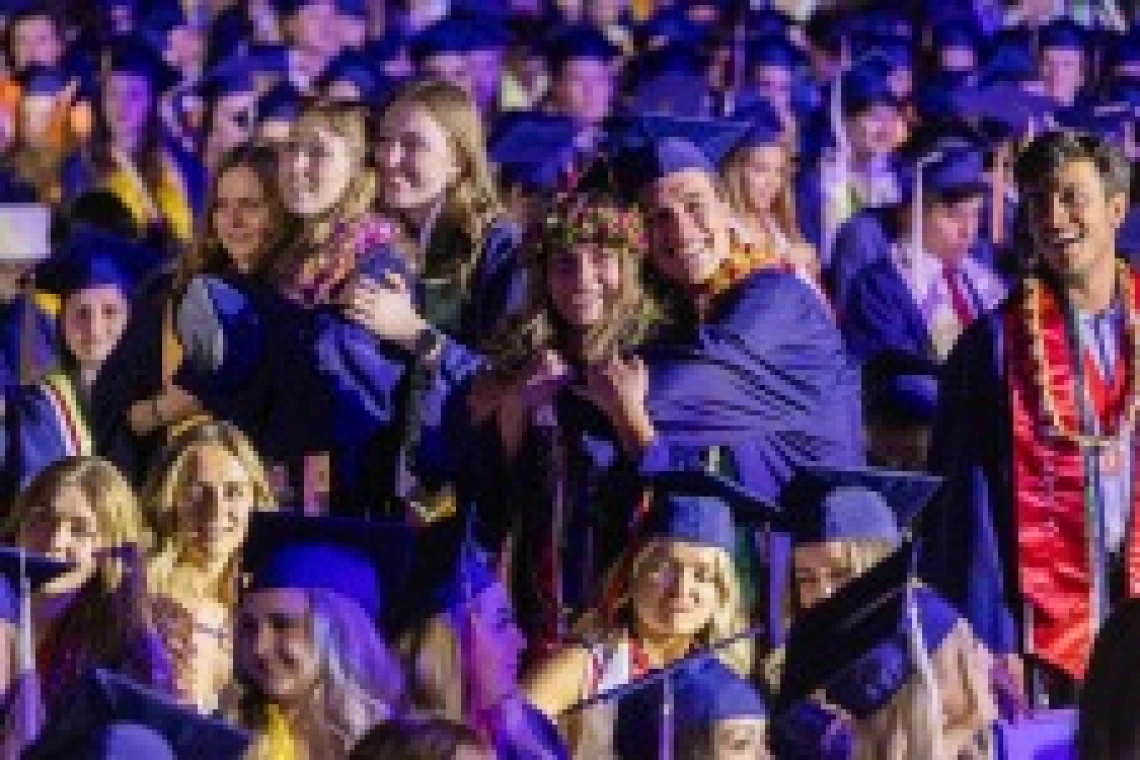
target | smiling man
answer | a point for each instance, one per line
(1035, 539)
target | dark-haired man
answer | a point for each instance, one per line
(1035, 539)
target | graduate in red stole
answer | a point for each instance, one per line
(1035, 539)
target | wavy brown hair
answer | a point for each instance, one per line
(472, 201)
(573, 220)
(207, 254)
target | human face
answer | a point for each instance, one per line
(317, 166)
(213, 503)
(36, 39)
(688, 227)
(449, 67)
(308, 28)
(497, 644)
(241, 216)
(415, 160)
(764, 173)
(486, 68)
(677, 590)
(1073, 222)
(876, 131)
(949, 230)
(185, 49)
(740, 739)
(1062, 72)
(957, 59)
(584, 90)
(819, 570)
(93, 322)
(66, 529)
(583, 279)
(275, 648)
(127, 101)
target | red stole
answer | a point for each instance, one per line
(1055, 569)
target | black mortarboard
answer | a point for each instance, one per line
(364, 561)
(857, 645)
(1063, 33)
(92, 258)
(824, 504)
(112, 717)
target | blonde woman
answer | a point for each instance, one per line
(199, 500)
(313, 672)
(82, 511)
(434, 178)
(678, 593)
(758, 179)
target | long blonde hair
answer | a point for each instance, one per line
(358, 685)
(905, 729)
(734, 179)
(350, 122)
(616, 618)
(471, 204)
(160, 497)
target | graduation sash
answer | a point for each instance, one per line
(73, 431)
(169, 202)
(1061, 567)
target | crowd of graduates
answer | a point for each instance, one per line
(569, 378)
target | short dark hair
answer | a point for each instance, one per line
(1043, 157)
(416, 738)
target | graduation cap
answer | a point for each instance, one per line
(670, 58)
(895, 50)
(704, 692)
(866, 84)
(132, 54)
(533, 149)
(580, 41)
(811, 731)
(111, 716)
(357, 9)
(355, 67)
(824, 503)
(1124, 50)
(92, 258)
(1063, 34)
(670, 25)
(282, 102)
(861, 645)
(957, 33)
(447, 35)
(42, 80)
(1003, 110)
(697, 507)
(638, 150)
(164, 17)
(362, 560)
(765, 127)
(1011, 57)
(672, 94)
(774, 50)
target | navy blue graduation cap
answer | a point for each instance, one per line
(811, 731)
(282, 102)
(670, 25)
(670, 58)
(357, 9)
(352, 66)
(221, 84)
(824, 504)
(42, 80)
(380, 50)
(950, 165)
(672, 94)
(774, 50)
(1063, 34)
(957, 33)
(1002, 110)
(488, 34)
(1012, 57)
(882, 18)
(895, 50)
(361, 560)
(17, 565)
(859, 646)
(113, 718)
(867, 84)
(132, 54)
(575, 42)
(764, 125)
(768, 20)
(163, 17)
(92, 258)
(705, 692)
(901, 390)
(702, 508)
(448, 35)
(533, 149)
(1124, 50)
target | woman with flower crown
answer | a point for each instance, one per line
(561, 443)
(1035, 539)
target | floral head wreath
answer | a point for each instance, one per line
(577, 218)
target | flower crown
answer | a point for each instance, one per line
(574, 220)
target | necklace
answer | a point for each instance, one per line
(1033, 307)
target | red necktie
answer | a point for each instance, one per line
(958, 298)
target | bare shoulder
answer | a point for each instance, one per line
(556, 684)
